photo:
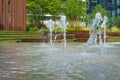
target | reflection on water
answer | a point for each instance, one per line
(32, 61)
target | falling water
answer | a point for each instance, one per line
(50, 25)
(96, 33)
(63, 25)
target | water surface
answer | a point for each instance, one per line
(35, 61)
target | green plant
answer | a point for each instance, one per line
(117, 21)
(115, 29)
(70, 28)
(75, 11)
(30, 27)
(77, 28)
(98, 8)
(57, 29)
(111, 22)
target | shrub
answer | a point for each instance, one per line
(115, 29)
(77, 28)
(30, 27)
(117, 21)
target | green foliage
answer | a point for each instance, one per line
(114, 21)
(53, 6)
(70, 28)
(34, 12)
(77, 28)
(57, 29)
(74, 9)
(36, 9)
(111, 22)
(98, 8)
(117, 21)
(115, 29)
(31, 28)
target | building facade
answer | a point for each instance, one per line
(13, 15)
(112, 6)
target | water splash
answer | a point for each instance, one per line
(96, 31)
(63, 24)
(50, 25)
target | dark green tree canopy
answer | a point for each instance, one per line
(74, 9)
(98, 8)
(117, 21)
(36, 9)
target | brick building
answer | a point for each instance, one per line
(13, 15)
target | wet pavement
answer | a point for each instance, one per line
(35, 61)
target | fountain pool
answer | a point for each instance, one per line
(33, 61)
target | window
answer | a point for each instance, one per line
(118, 2)
(94, 1)
(109, 1)
(113, 12)
(110, 12)
(118, 11)
(113, 2)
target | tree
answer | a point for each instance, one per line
(98, 8)
(111, 21)
(36, 9)
(74, 10)
(53, 6)
(117, 21)
(35, 12)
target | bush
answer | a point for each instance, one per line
(30, 27)
(70, 28)
(117, 21)
(115, 29)
(77, 28)
(57, 29)
(111, 22)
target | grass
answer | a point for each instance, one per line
(8, 41)
(13, 36)
(17, 32)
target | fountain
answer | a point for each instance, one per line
(63, 24)
(103, 25)
(95, 30)
(27, 61)
(50, 26)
